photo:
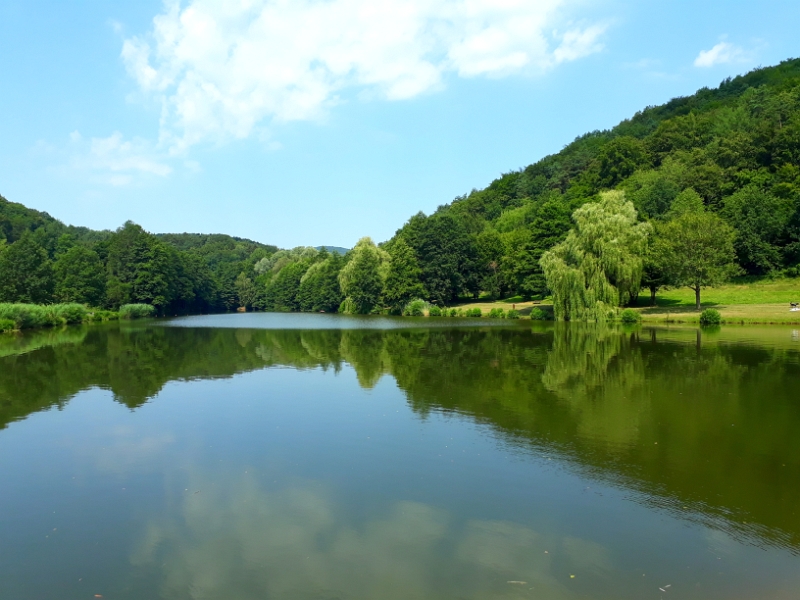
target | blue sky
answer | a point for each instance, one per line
(300, 122)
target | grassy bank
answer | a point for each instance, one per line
(14, 317)
(757, 302)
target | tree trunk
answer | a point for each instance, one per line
(697, 297)
(652, 295)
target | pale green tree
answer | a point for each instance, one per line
(362, 278)
(598, 267)
(245, 290)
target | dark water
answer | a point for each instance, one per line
(312, 457)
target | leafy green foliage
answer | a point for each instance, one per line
(599, 265)
(710, 316)
(435, 311)
(537, 314)
(403, 277)
(630, 316)
(319, 286)
(80, 277)
(696, 250)
(362, 278)
(26, 272)
(136, 311)
(415, 308)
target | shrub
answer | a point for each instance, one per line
(103, 315)
(630, 316)
(512, 314)
(453, 312)
(434, 311)
(26, 316)
(415, 308)
(497, 313)
(473, 312)
(710, 317)
(136, 311)
(537, 314)
(7, 325)
(69, 313)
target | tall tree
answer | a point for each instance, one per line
(26, 273)
(79, 275)
(362, 277)
(696, 250)
(599, 265)
(245, 290)
(403, 279)
(447, 255)
(319, 287)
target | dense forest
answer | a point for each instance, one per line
(43, 261)
(715, 175)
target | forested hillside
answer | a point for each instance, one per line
(724, 160)
(43, 261)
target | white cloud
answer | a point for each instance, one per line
(115, 161)
(222, 68)
(722, 53)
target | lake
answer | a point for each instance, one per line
(319, 457)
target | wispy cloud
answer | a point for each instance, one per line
(722, 53)
(115, 161)
(222, 69)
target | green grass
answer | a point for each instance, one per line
(750, 302)
(756, 292)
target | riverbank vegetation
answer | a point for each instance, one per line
(686, 195)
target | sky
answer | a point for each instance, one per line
(308, 122)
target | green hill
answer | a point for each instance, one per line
(738, 146)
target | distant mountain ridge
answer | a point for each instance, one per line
(332, 249)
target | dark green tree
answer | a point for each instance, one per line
(319, 286)
(26, 273)
(759, 219)
(79, 276)
(403, 279)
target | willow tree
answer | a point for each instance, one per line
(362, 278)
(598, 267)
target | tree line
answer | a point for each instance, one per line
(689, 193)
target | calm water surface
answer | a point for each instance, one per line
(318, 457)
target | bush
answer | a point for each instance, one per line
(497, 313)
(415, 308)
(69, 314)
(512, 314)
(136, 311)
(453, 312)
(630, 316)
(103, 315)
(537, 314)
(7, 325)
(710, 317)
(26, 316)
(434, 311)
(473, 312)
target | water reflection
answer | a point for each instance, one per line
(241, 541)
(701, 425)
